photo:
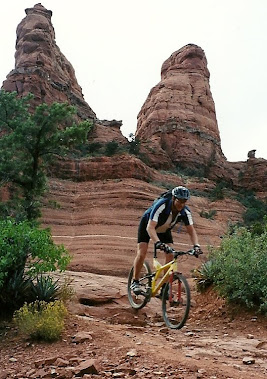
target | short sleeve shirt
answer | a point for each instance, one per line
(161, 213)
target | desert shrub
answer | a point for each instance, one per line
(112, 147)
(87, 149)
(65, 291)
(256, 209)
(199, 193)
(25, 253)
(257, 228)
(217, 193)
(209, 215)
(134, 146)
(53, 204)
(41, 320)
(24, 245)
(238, 268)
(185, 171)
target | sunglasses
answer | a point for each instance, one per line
(182, 201)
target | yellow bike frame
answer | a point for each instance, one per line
(168, 268)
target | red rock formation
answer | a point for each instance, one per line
(41, 68)
(253, 176)
(106, 131)
(177, 124)
(101, 168)
(178, 116)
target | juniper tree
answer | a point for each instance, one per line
(28, 142)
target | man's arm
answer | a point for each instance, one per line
(193, 234)
(151, 229)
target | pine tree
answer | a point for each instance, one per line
(28, 142)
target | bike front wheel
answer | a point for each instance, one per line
(139, 301)
(176, 302)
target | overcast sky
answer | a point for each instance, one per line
(117, 48)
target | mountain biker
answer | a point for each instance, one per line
(156, 224)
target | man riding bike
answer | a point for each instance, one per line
(157, 222)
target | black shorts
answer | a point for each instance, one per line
(144, 237)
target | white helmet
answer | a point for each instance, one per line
(181, 192)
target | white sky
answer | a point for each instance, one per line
(117, 48)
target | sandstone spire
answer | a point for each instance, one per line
(41, 68)
(179, 113)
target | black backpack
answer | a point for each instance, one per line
(166, 194)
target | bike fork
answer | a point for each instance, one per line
(179, 289)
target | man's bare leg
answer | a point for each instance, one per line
(139, 259)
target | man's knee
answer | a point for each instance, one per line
(142, 249)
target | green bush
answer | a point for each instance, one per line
(25, 253)
(185, 171)
(134, 146)
(41, 320)
(217, 193)
(209, 215)
(256, 209)
(238, 268)
(87, 149)
(112, 148)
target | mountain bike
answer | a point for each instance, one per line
(175, 290)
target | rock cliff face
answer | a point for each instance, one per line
(179, 116)
(102, 199)
(253, 175)
(106, 131)
(97, 221)
(177, 124)
(41, 68)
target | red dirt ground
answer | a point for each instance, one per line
(113, 341)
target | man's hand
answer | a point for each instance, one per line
(162, 246)
(159, 245)
(197, 250)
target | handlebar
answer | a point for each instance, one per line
(176, 253)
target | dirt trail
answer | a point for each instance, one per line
(117, 342)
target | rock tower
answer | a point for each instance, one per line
(41, 68)
(179, 117)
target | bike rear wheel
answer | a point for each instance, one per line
(176, 302)
(139, 301)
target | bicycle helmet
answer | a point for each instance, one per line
(181, 192)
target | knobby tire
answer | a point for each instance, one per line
(176, 311)
(139, 301)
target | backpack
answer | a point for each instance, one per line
(166, 194)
